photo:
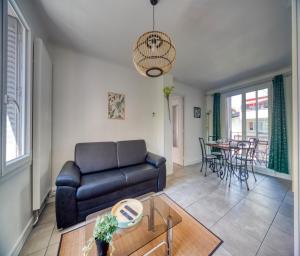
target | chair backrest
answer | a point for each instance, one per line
(233, 143)
(202, 146)
(238, 137)
(263, 149)
(212, 138)
(253, 144)
(244, 151)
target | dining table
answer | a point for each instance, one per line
(221, 145)
(220, 165)
(228, 151)
(225, 149)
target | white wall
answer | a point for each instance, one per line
(15, 189)
(80, 87)
(193, 127)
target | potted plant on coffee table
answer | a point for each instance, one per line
(104, 229)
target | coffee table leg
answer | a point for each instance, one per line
(151, 217)
(170, 237)
(168, 243)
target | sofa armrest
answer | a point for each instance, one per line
(155, 160)
(69, 175)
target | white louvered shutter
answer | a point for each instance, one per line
(13, 117)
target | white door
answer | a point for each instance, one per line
(176, 109)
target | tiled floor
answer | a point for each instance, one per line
(256, 222)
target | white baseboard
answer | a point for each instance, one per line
(169, 168)
(51, 197)
(15, 251)
(188, 163)
(270, 172)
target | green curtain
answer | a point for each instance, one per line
(278, 159)
(217, 116)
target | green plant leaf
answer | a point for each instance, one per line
(168, 90)
(105, 227)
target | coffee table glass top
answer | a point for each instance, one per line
(158, 218)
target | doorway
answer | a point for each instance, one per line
(176, 109)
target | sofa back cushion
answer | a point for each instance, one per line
(131, 152)
(96, 156)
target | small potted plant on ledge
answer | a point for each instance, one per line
(104, 229)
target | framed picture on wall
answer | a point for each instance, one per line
(197, 112)
(116, 106)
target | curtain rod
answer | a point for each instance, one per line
(249, 82)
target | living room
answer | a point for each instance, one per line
(85, 125)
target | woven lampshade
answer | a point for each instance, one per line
(154, 54)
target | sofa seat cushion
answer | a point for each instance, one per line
(139, 173)
(96, 184)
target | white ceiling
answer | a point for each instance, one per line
(218, 41)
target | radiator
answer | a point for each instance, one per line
(42, 124)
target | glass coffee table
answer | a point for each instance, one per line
(158, 218)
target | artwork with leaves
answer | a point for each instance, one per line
(116, 106)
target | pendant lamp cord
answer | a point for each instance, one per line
(153, 18)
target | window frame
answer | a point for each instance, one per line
(243, 92)
(24, 160)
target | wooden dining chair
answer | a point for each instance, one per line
(206, 159)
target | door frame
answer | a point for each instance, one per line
(183, 139)
(296, 119)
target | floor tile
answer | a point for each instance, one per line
(38, 253)
(284, 223)
(256, 222)
(52, 250)
(48, 215)
(222, 252)
(279, 241)
(254, 210)
(236, 241)
(287, 210)
(55, 237)
(205, 216)
(264, 200)
(265, 250)
(38, 239)
(254, 227)
(289, 198)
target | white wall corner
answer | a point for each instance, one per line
(168, 81)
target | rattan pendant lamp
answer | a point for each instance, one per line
(154, 53)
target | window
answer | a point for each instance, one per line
(15, 94)
(251, 126)
(16, 108)
(235, 120)
(249, 114)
